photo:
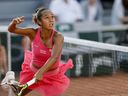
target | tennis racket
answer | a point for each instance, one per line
(25, 86)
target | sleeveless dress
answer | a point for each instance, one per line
(54, 82)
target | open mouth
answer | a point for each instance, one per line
(51, 25)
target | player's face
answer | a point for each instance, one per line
(47, 20)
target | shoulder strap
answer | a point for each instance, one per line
(37, 37)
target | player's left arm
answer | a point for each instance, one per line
(58, 44)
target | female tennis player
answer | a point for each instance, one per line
(43, 62)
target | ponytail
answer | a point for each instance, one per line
(38, 14)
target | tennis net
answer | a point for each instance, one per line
(94, 58)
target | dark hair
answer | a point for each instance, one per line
(38, 14)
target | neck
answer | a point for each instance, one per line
(45, 34)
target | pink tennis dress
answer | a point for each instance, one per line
(54, 82)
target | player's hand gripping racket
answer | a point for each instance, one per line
(10, 82)
(25, 86)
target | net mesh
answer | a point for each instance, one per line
(104, 65)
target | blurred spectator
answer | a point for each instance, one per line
(3, 62)
(93, 10)
(117, 12)
(26, 43)
(66, 11)
(120, 16)
(120, 12)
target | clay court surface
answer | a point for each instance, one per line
(115, 85)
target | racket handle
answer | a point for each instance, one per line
(22, 89)
(29, 83)
(25, 86)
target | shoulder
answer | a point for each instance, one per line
(58, 37)
(33, 32)
(27, 31)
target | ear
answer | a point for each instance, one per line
(39, 23)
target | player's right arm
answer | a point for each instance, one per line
(21, 31)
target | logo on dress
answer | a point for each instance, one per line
(43, 51)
